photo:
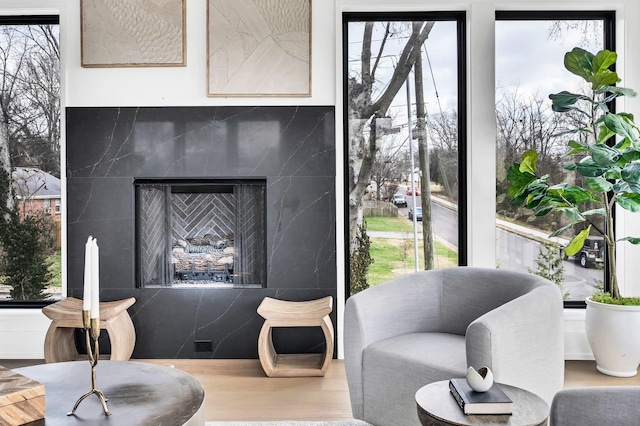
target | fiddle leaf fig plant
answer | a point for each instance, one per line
(606, 150)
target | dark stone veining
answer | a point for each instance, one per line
(293, 148)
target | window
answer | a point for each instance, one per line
(404, 80)
(530, 47)
(29, 160)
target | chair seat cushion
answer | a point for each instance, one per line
(399, 366)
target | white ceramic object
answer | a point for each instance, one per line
(614, 335)
(480, 380)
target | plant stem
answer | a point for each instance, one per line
(611, 249)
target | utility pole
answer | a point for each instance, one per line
(411, 177)
(423, 156)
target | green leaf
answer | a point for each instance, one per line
(577, 144)
(604, 78)
(622, 145)
(603, 155)
(621, 187)
(599, 184)
(577, 242)
(587, 167)
(579, 62)
(529, 162)
(627, 116)
(620, 91)
(603, 60)
(519, 183)
(612, 174)
(630, 153)
(617, 124)
(562, 102)
(571, 166)
(533, 200)
(629, 201)
(595, 212)
(572, 213)
(561, 230)
(543, 211)
(577, 194)
(631, 173)
(605, 134)
(632, 240)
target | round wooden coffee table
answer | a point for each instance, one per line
(436, 406)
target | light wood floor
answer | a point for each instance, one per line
(239, 389)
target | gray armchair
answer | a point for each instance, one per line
(596, 406)
(432, 325)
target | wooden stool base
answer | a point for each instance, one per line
(66, 316)
(280, 313)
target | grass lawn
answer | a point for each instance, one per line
(394, 258)
(389, 224)
(54, 265)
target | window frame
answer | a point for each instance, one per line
(460, 17)
(608, 17)
(44, 19)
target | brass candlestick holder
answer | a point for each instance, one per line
(92, 332)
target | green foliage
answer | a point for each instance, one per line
(25, 242)
(549, 265)
(622, 301)
(360, 261)
(608, 165)
(54, 266)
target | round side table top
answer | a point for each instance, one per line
(436, 406)
(138, 393)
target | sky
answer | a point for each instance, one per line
(527, 57)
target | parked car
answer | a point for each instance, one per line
(410, 192)
(592, 253)
(399, 200)
(418, 213)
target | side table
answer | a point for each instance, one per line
(436, 406)
(66, 316)
(282, 313)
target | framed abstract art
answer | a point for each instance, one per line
(133, 33)
(259, 48)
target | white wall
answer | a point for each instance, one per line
(186, 86)
(179, 86)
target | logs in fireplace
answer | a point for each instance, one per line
(204, 259)
(203, 232)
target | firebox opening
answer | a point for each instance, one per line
(200, 232)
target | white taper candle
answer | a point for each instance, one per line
(86, 297)
(95, 280)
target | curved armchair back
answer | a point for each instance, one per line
(470, 292)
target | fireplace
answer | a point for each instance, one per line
(200, 233)
(277, 159)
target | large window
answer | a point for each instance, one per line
(30, 190)
(404, 86)
(530, 48)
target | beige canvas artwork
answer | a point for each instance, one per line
(259, 48)
(133, 33)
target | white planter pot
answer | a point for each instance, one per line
(614, 335)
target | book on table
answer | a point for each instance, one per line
(494, 401)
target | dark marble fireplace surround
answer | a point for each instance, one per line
(293, 148)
